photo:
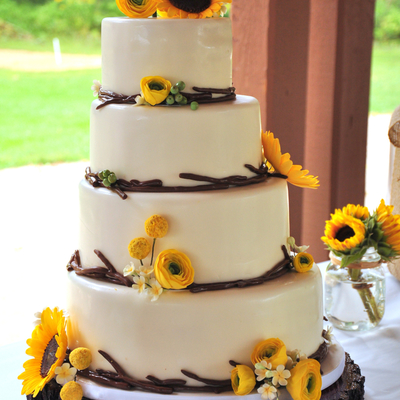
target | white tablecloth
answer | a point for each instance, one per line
(377, 352)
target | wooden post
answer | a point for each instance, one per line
(308, 62)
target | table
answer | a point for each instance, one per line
(377, 352)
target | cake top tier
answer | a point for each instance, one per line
(198, 52)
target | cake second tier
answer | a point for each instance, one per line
(227, 234)
(143, 142)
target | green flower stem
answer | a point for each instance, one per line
(152, 251)
(366, 296)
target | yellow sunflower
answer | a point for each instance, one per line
(343, 232)
(189, 8)
(357, 211)
(390, 225)
(284, 165)
(48, 346)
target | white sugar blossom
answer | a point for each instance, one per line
(140, 100)
(155, 289)
(280, 376)
(263, 370)
(65, 374)
(140, 283)
(294, 357)
(96, 87)
(292, 245)
(38, 318)
(145, 271)
(267, 392)
(129, 269)
(328, 335)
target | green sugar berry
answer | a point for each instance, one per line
(170, 99)
(181, 85)
(174, 90)
(106, 182)
(184, 101)
(178, 98)
(101, 176)
(112, 178)
(105, 173)
(194, 105)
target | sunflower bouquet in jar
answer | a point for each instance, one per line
(359, 242)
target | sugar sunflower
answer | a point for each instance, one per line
(343, 232)
(282, 163)
(48, 346)
(190, 9)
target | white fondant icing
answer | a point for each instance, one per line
(227, 234)
(198, 52)
(144, 142)
(197, 332)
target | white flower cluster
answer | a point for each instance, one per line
(273, 379)
(144, 280)
(96, 87)
(65, 374)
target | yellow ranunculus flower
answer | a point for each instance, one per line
(303, 262)
(137, 8)
(271, 350)
(305, 381)
(156, 226)
(173, 270)
(243, 380)
(139, 248)
(155, 89)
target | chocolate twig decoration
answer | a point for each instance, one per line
(278, 270)
(205, 95)
(210, 382)
(108, 274)
(155, 185)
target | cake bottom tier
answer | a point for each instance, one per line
(196, 332)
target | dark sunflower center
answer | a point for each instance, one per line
(344, 233)
(191, 6)
(49, 357)
(174, 268)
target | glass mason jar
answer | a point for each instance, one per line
(355, 295)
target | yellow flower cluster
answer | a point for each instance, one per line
(173, 270)
(139, 248)
(390, 225)
(155, 89)
(243, 380)
(284, 165)
(137, 8)
(305, 381)
(343, 232)
(302, 379)
(271, 350)
(50, 338)
(303, 262)
(171, 8)
(80, 358)
(156, 226)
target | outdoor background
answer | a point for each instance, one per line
(44, 139)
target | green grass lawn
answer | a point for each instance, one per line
(385, 78)
(44, 116)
